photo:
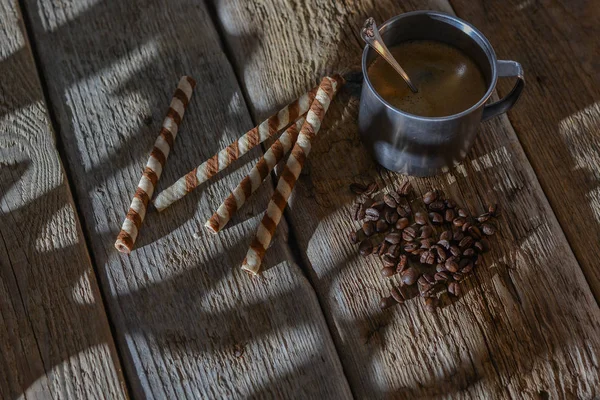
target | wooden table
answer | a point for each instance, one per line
(83, 90)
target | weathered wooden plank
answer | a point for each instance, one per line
(527, 327)
(556, 41)
(55, 340)
(189, 322)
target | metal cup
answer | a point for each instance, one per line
(424, 146)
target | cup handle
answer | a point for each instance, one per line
(506, 69)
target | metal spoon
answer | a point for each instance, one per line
(370, 35)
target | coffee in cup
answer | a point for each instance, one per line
(447, 79)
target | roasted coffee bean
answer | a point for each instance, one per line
(402, 263)
(376, 249)
(450, 204)
(441, 276)
(378, 205)
(463, 263)
(397, 295)
(372, 212)
(365, 248)
(468, 252)
(420, 218)
(493, 210)
(449, 215)
(468, 268)
(394, 250)
(437, 206)
(446, 235)
(454, 250)
(381, 226)
(466, 226)
(409, 234)
(454, 289)
(370, 218)
(387, 272)
(391, 216)
(409, 276)
(440, 267)
(458, 277)
(463, 213)
(387, 302)
(429, 277)
(457, 236)
(353, 237)
(357, 188)
(404, 210)
(388, 261)
(383, 248)
(362, 213)
(372, 188)
(426, 289)
(402, 223)
(444, 243)
(488, 229)
(417, 253)
(441, 254)
(368, 228)
(436, 218)
(427, 243)
(466, 242)
(389, 200)
(475, 232)
(451, 265)
(431, 304)
(411, 247)
(430, 197)
(396, 196)
(426, 232)
(427, 258)
(393, 238)
(405, 188)
(483, 217)
(458, 221)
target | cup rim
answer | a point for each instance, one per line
(442, 15)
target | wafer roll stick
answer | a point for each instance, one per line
(268, 128)
(156, 162)
(327, 89)
(257, 175)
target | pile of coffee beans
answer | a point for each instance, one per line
(436, 247)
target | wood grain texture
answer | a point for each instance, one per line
(55, 341)
(528, 326)
(189, 322)
(558, 118)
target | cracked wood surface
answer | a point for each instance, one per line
(528, 325)
(188, 322)
(55, 341)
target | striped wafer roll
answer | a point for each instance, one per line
(268, 128)
(154, 166)
(289, 176)
(257, 175)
